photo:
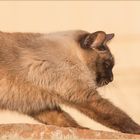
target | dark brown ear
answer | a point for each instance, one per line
(93, 40)
(109, 37)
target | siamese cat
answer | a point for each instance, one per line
(38, 72)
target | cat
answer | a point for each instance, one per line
(38, 72)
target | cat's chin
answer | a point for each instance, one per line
(102, 83)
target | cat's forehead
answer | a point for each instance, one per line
(105, 55)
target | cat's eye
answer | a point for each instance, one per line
(107, 64)
(102, 48)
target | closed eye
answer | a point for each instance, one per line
(102, 48)
(108, 65)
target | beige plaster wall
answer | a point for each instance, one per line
(120, 17)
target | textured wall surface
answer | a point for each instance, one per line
(42, 132)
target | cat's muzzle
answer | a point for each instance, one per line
(102, 81)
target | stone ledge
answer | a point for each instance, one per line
(47, 132)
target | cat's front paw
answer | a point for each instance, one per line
(132, 128)
(136, 130)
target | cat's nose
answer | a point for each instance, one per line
(111, 79)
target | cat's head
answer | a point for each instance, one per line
(97, 56)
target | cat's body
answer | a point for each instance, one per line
(31, 63)
(40, 71)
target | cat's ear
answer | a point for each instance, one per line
(93, 40)
(109, 37)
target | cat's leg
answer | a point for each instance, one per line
(104, 112)
(56, 117)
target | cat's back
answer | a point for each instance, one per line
(17, 39)
(18, 48)
(11, 47)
